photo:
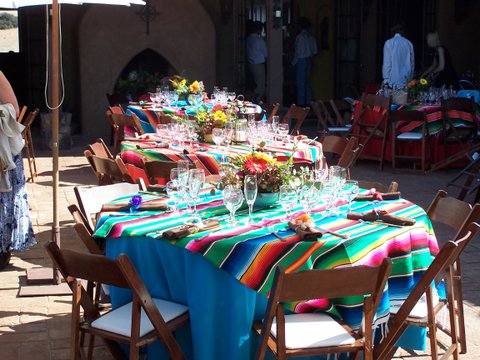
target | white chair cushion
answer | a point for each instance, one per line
(119, 321)
(410, 136)
(312, 330)
(339, 129)
(420, 310)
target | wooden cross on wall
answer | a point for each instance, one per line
(147, 14)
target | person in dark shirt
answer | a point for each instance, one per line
(441, 71)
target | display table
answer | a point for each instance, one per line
(225, 275)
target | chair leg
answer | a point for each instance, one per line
(462, 336)
(32, 151)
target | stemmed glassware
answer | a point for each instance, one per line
(350, 190)
(282, 131)
(287, 198)
(176, 192)
(233, 199)
(250, 191)
(196, 179)
(218, 136)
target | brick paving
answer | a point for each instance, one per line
(38, 327)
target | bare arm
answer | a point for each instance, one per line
(436, 66)
(7, 96)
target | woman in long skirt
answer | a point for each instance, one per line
(16, 233)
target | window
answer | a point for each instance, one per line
(9, 31)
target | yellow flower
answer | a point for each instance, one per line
(219, 116)
(194, 87)
(423, 82)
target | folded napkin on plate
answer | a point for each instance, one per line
(184, 230)
(381, 215)
(379, 196)
(305, 228)
(142, 207)
(156, 188)
(152, 144)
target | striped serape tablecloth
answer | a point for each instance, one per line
(209, 156)
(250, 252)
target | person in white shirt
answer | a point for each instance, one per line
(256, 50)
(398, 59)
(305, 49)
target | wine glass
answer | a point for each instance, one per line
(250, 191)
(217, 136)
(350, 189)
(287, 198)
(183, 164)
(233, 199)
(179, 176)
(282, 131)
(175, 192)
(196, 179)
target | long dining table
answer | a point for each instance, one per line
(224, 275)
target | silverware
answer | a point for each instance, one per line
(333, 233)
(379, 223)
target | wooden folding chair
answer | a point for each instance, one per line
(464, 134)
(123, 126)
(22, 113)
(335, 113)
(372, 123)
(456, 214)
(158, 172)
(91, 199)
(438, 270)
(100, 149)
(137, 323)
(29, 148)
(346, 149)
(108, 171)
(270, 110)
(320, 333)
(400, 118)
(393, 187)
(327, 120)
(298, 114)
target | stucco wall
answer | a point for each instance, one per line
(182, 33)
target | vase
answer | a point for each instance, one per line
(266, 200)
(208, 138)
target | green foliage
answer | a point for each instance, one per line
(8, 21)
(137, 83)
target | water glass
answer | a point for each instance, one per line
(176, 193)
(183, 164)
(196, 179)
(282, 131)
(218, 136)
(287, 198)
(350, 190)
(250, 190)
(179, 176)
(233, 199)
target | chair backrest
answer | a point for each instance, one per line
(116, 109)
(296, 113)
(100, 149)
(449, 254)
(30, 118)
(316, 284)
(158, 171)
(342, 111)
(76, 266)
(91, 199)
(123, 126)
(393, 187)
(22, 113)
(450, 110)
(334, 144)
(270, 110)
(407, 116)
(449, 211)
(108, 171)
(320, 114)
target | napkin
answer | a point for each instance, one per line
(184, 230)
(156, 188)
(142, 207)
(379, 196)
(305, 228)
(152, 144)
(382, 215)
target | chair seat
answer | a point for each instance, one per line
(313, 330)
(420, 310)
(410, 136)
(119, 321)
(340, 129)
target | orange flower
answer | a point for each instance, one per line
(255, 165)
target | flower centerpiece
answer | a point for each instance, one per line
(271, 174)
(206, 119)
(188, 91)
(415, 87)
